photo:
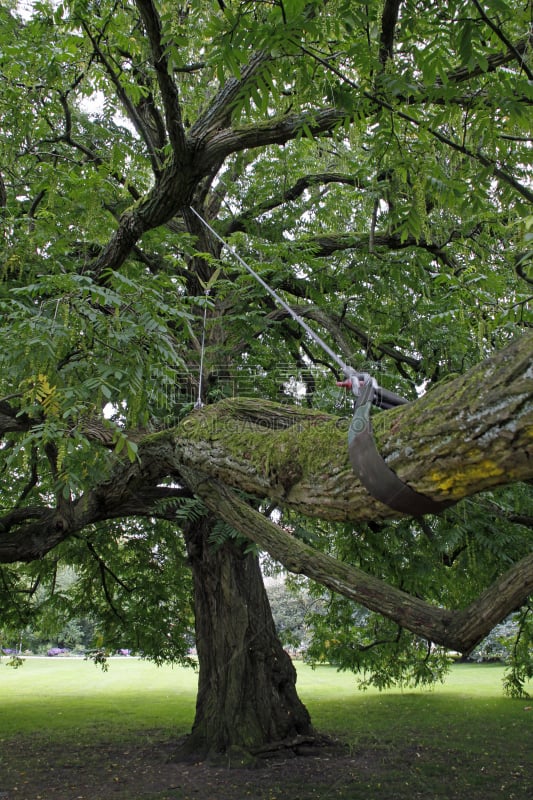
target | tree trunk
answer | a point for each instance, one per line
(470, 435)
(247, 696)
(460, 629)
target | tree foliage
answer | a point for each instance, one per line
(371, 161)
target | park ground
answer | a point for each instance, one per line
(70, 732)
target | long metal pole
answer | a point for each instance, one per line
(279, 300)
(388, 399)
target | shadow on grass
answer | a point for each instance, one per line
(463, 740)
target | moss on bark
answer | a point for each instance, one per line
(463, 437)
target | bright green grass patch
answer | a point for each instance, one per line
(461, 739)
(464, 708)
(61, 694)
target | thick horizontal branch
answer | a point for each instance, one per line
(515, 52)
(328, 244)
(457, 630)
(469, 435)
(27, 534)
(278, 130)
(472, 434)
(11, 421)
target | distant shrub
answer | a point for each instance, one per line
(57, 651)
(498, 645)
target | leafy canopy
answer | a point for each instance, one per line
(372, 161)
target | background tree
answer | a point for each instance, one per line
(372, 162)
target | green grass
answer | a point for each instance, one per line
(60, 695)
(463, 738)
(460, 739)
(471, 694)
(63, 694)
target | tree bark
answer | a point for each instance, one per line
(458, 630)
(247, 696)
(471, 434)
(466, 436)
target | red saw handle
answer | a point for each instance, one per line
(382, 398)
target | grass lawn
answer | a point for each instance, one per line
(461, 739)
(61, 695)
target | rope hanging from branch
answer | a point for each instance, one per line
(383, 398)
(199, 402)
(374, 474)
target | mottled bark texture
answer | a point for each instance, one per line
(247, 696)
(471, 434)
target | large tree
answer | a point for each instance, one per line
(372, 163)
